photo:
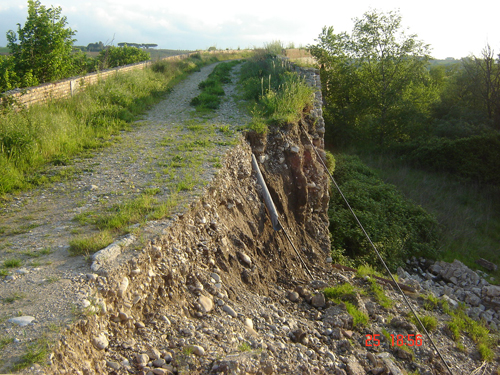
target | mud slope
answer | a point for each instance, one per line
(219, 259)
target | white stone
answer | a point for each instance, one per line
(206, 304)
(122, 288)
(249, 322)
(22, 320)
(198, 350)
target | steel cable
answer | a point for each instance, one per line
(376, 251)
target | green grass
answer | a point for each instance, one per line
(12, 263)
(360, 319)
(244, 347)
(428, 321)
(276, 95)
(4, 341)
(84, 245)
(210, 97)
(379, 294)
(344, 293)
(36, 352)
(14, 297)
(485, 341)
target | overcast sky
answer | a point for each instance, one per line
(452, 29)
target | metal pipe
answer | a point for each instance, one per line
(271, 209)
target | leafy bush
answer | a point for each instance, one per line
(398, 227)
(475, 158)
(117, 56)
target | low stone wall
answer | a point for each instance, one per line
(68, 87)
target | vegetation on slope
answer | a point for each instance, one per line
(276, 95)
(397, 227)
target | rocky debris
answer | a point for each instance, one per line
(457, 283)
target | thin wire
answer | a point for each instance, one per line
(376, 251)
(296, 251)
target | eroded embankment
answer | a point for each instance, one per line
(220, 259)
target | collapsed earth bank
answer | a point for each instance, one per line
(219, 262)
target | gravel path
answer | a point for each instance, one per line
(172, 151)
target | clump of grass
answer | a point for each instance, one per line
(377, 290)
(340, 291)
(344, 293)
(4, 341)
(85, 245)
(210, 96)
(36, 352)
(460, 322)
(360, 319)
(429, 322)
(245, 347)
(12, 263)
(431, 302)
(14, 297)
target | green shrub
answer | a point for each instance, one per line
(476, 158)
(117, 56)
(398, 227)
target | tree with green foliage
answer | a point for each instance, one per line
(376, 79)
(42, 48)
(117, 56)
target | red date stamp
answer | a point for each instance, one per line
(399, 340)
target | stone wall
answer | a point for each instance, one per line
(68, 87)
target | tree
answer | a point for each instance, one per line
(377, 77)
(485, 74)
(42, 47)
